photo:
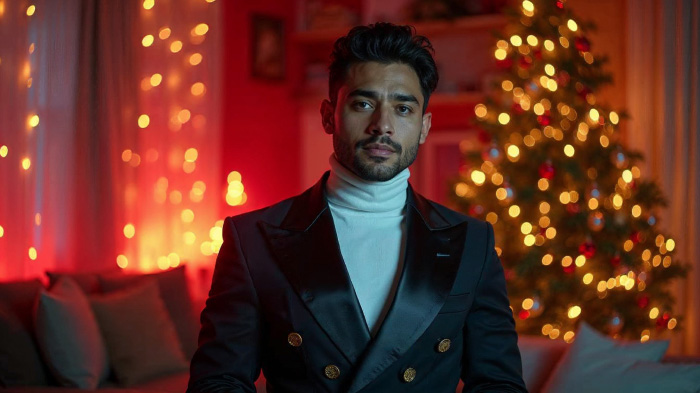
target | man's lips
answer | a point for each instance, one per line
(376, 149)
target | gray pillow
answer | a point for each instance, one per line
(139, 333)
(69, 337)
(596, 363)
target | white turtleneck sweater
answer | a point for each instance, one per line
(369, 221)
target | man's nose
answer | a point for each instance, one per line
(382, 121)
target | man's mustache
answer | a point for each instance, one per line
(383, 140)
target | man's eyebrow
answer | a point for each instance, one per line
(374, 95)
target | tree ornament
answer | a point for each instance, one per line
(619, 158)
(636, 237)
(587, 249)
(596, 221)
(492, 154)
(546, 170)
(525, 62)
(544, 119)
(615, 324)
(484, 137)
(537, 307)
(662, 321)
(573, 208)
(615, 261)
(582, 44)
(476, 210)
(643, 301)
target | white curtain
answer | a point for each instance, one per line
(82, 67)
(663, 93)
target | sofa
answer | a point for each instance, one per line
(120, 333)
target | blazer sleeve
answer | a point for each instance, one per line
(229, 354)
(491, 360)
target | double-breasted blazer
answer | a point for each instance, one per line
(281, 300)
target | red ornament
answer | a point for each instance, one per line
(563, 78)
(615, 261)
(582, 44)
(523, 314)
(643, 301)
(587, 249)
(505, 63)
(569, 269)
(476, 210)
(525, 62)
(484, 137)
(560, 4)
(635, 237)
(546, 170)
(517, 109)
(573, 208)
(662, 321)
(544, 120)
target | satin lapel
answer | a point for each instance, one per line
(311, 261)
(432, 260)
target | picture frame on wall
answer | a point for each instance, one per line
(267, 48)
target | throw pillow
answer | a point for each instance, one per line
(539, 356)
(140, 337)
(20, 361)
(174, 292)
(88, 282)
(596, 363)
(69, 337)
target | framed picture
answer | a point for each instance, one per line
(267, 44)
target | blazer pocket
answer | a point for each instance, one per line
(456, 303)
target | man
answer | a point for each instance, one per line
(359, 284)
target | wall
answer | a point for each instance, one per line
(260, 118)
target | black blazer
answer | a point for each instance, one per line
(281, 300)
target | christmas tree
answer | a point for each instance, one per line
(576, 224)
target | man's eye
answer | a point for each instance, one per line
(404, 109)
(362, 105)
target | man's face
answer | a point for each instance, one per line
(377, 122)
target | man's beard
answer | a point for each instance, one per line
(376, 171)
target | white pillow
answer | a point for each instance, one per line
(596, 363)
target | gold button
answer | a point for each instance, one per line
(409, 375)
(444, 345)
(332, 371)
(294, 339)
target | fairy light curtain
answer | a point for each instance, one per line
(663, 91)
(109, 135)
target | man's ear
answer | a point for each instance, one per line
(425, 129)
(328, 116)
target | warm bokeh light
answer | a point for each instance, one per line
(504, 118)
(571, 24)
(144, 121)
(197, 89)
(26, 163)
(3, 151)
(191, 155)
(33, 120)
(31, 10)
(2, 231)
(187, 215)
(195, 59)
(122, 261)
(129, 230)
(183, 116)
(478, 177)
(201, 29)
(147, 40)
(148, 4)
(164, 33)
(176, 46)
(32, 253)
(156, 79)
(574, 312)
(480, 110)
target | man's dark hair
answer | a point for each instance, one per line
(383, 43)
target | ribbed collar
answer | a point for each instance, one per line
(345, 189)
